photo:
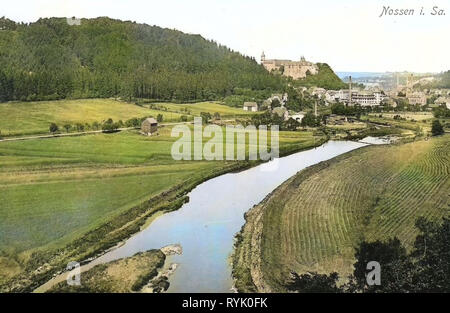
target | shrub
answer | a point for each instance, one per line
(53, 128)
(436, 128)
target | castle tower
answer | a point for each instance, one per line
(263, 57)
(411, 80)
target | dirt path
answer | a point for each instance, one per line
(79, 133)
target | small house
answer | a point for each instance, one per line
(149, 126)
(298, 117)
(250, 106)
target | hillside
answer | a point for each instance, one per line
(443, 80)
(325, 78)
(313, 221)
(88, 114)
(102, 57)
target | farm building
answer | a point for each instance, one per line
(149, 126)
(250, 106)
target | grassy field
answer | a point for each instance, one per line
(314, 220)
(418, 116)
(421, 123)
(194, 109)
(348, 126)
(123, 275)
(77, 184)
(25, 118)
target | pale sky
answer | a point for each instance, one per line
(347, 34)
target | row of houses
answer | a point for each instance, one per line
(254, 107)
(376, 97)
(349, 96)
(281, 110)
(365, 98)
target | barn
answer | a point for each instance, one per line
(250, 106)
(149, 126)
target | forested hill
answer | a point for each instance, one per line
(102, 57)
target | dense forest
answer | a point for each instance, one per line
(102, 57)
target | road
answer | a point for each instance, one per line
(79, 133)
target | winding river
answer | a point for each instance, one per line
(206, 225)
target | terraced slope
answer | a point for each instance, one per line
(314, 220)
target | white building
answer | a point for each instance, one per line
(297, 116)
(250, 106)
(362, 98)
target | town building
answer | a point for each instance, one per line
(368, 98)
(320, 92)
(297, 116)
(443, 100)
(416, 98)
(363, 98)
(330, 96)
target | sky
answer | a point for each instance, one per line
(349, 35)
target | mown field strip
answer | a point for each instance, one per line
(313, 221)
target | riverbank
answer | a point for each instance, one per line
(187, 225)
(312, 221)
(206, 225)
(106, 237)
(124, 275)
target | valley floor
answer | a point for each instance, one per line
(71, 198)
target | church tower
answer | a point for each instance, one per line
(263, 57)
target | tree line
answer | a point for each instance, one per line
(102, 57)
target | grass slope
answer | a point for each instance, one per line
(123, 275)
(21, 118)
(314, 220)
(79, 184)
(25, 118)
(195, 109)
(325, 78)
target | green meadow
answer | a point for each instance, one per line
(314, 220)
(195, 109)
(52, 191)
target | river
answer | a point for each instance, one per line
(205, 226)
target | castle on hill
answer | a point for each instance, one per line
(294, 69)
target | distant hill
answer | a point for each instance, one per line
(442, 80)
(102, 57)
(345, 75)
(325, 78)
